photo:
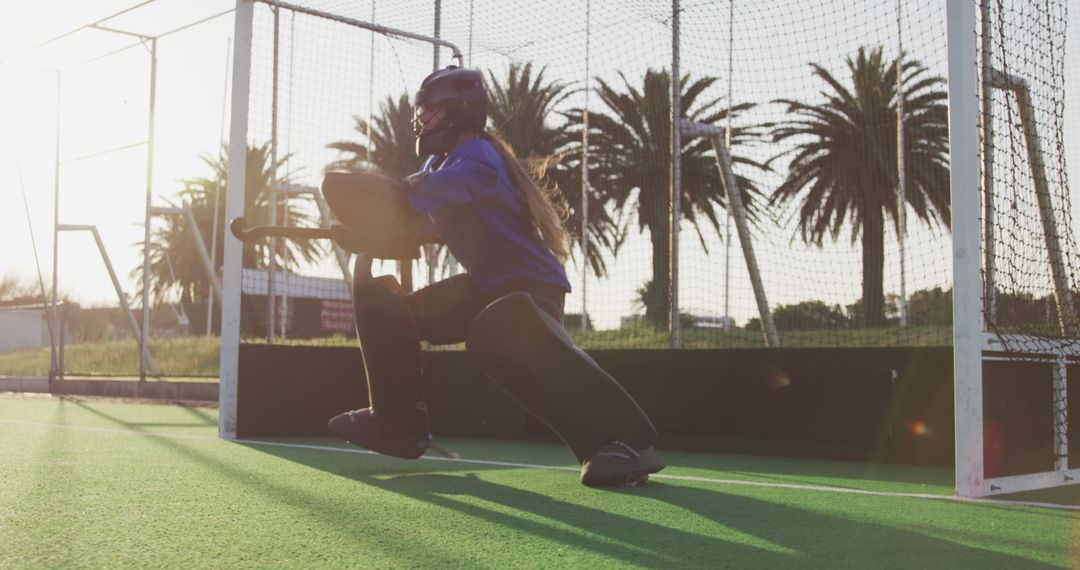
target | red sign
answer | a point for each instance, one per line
(336, 316)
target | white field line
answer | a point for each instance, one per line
(692, 478)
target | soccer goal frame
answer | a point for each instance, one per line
(973, 345)
(243, 32)
(973, 267)
(717, 136)
(151, 366)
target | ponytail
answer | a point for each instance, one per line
(543, 202)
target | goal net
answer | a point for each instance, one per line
(815, 203)
(837, 262)
(1012, 405)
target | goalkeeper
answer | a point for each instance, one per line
(506, 231)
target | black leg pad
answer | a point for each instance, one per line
(390, 345)
(529, 355)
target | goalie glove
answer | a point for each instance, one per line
(413, 180)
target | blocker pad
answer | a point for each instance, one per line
(373, 215)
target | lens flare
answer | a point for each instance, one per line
(775, 378)
(919, 428)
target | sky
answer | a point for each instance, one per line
(104, 106)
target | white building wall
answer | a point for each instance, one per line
(22, 329)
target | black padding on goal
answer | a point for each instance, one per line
(884, 403)
(1018, 418)
(285, 391)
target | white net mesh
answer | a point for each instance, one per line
(851, 252)
(1030, 266)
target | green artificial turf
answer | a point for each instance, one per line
(94, 484)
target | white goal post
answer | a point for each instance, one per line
(237, 169)
(974, 310)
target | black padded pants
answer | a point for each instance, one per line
(390, 328)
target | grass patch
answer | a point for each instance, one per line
(647, 337)
(188, 357)
(198, 357)
(25, 363)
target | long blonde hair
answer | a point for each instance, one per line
(544, 203)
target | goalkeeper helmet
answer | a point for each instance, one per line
(450, 102)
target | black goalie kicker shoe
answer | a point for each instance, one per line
(361, 427)
(617, 464)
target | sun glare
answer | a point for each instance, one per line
(98, 85)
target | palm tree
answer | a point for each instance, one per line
(630, 160)
(391, 148)
(844, 168)
(520, 108)
(175, 266)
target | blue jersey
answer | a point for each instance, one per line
(483, 219)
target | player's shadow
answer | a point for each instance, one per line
(759, 533)
(836, 540)
(635, 541)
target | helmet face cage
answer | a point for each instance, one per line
(460, 95)
(418, 121)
